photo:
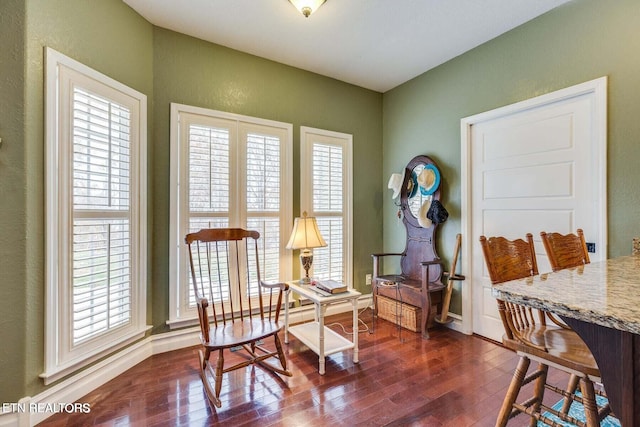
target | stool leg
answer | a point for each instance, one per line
(512, 392)
(574, 380)
(589, 402)
(538, 391)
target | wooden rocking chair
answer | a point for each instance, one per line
(225, 274)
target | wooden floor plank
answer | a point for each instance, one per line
(402, 380)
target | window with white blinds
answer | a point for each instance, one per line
(236, 172)
(101, 215)
(326, 194)
(264, 199)
(96, 273)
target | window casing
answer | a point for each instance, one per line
(96, 215)
(326, 193)
(227, 170)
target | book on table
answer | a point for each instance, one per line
(331, 286)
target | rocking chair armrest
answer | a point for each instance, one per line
(434, 262)
(280, 285)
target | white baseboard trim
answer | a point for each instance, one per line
(26, 412)
(456, 325)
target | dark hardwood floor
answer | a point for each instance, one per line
(450, 380)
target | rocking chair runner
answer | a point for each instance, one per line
(245, 310)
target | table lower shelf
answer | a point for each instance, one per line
(308, 334)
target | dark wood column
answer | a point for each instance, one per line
(618, 356)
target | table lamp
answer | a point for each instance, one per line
(305, 236)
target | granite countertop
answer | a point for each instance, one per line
(606, 293)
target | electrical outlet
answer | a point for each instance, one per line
(591, 247)
(367, 279)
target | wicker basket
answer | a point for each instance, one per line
(409, 315)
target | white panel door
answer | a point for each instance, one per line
(532, 169)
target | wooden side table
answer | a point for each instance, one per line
(315, 335)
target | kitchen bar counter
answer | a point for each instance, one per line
(606, 293)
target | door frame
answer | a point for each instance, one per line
(597, 90)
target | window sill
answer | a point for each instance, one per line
(58, 372)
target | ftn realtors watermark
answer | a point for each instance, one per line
(51, 408)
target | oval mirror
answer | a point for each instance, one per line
(415, 198)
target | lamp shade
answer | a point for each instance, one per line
(305, 234)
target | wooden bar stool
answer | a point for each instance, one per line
(527, 333)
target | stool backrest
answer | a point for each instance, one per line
(510, 260)
(565, 251)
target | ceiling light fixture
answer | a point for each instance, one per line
(307, 7)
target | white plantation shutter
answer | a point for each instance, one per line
(101, 216)
(326, 195)
(208, 200)
(96, 215)
(263, 190)
(328, 192)
(263, 173)
(101, 277)
(237, 173)
(268, 249)
(208, 169)
(208, 172)
(328, 166)
(328, 262)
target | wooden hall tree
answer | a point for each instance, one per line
(419, 283)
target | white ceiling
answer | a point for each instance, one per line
(376, 44)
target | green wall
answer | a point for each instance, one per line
(577, 42)
(12, 200)
(109, 37)
(168, 67)
(193, 72)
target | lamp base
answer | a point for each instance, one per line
(305, 281)
(306, 259)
